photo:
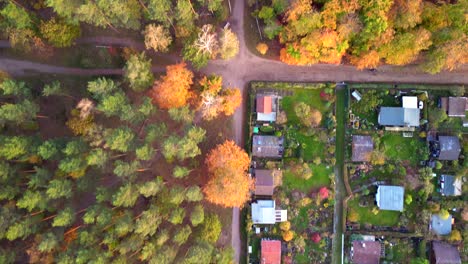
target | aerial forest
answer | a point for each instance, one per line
(366, 33)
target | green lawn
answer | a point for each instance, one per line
(399, 148)
(319, 179)
(383, 218)
(311, 146)
(309, 96)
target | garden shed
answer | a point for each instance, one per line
(444, 253)
(450, 185)
(264, 185)
(271, 252)
(264, 212)
(366, 252)
(390, 197)
(266, 108)
(267, 146)
(362, 148)
(449, 148)
(399, 116)
(441, 226)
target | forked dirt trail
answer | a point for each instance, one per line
(246, 67)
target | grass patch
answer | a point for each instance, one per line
(319, 179)
(311, 146)
(399, 148)
(383, 218)
(310, 97)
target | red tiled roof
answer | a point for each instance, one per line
(271, 252)
(264, 104)
(366, 252)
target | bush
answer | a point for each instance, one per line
(285, 226)
(288, 235)
(262, 48)
(267, 129)
(353, 216)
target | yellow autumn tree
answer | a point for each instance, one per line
(228, 184)
(173, 89)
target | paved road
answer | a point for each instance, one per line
(246, 67)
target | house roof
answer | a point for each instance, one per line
(410, 101)
(441, 226)
(362, 147)
(449, 148)
(457, 106)
(366, 252)
(399, 116)
(264, 182)
(271, 252)
(267, 146)
(445, 253)
(264, 104)
(263, 212)
(450, 186)
(390, 197)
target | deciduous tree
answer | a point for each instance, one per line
(59, 33)
(173, 89)
(228, 44)
(157, 38)
(197, 216)
(202, 48)
(229, 185)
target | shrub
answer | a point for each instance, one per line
(262, 48)
(353, 216)
(315, 237)
(408, 199)
(267, 129)
(455, 236)
(285, 226)
(444, 214)
(288, 235)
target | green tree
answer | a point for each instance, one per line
(165, 255)
(48, 243)
(126, 196)
(15, 88)
(202, 48)
(182, 114)
(370, 101)
(19, 113)
(53, 88)
(161, 11)
(113, 105)
(59, 33)
(64, 217)
(126, 170)
(194, 194)
(181, 236)
(148, 223)
(120, 139)
(16, 17)
(210, 230)
(180, 172)
(138, 72)
(102, 87)
(177, 216)
(162, 237)
(197, 216)
(266, 13)
(15, 147)
(436, 117)
(49, 149)
(21, 229)
(145, 152)
(32, 200)
(224, 255)
(199, 253)
(151, 188)
(97, 157)
(59, 188)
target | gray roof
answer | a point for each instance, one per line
(445, 253)
(362, 148)
(399, 116)
(441, 226)
(457, 106)
(449, 148)
(264, 182)
(390, 197)
(450, 186)
(267, 146)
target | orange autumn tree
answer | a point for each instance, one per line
(215, 100)
(229, 185)
(173, 89)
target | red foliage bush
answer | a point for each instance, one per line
(315, 238)
(323, 193)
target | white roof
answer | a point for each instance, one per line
(410, 101)
(263, 212)
(270, 117)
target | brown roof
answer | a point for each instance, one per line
(366, 252)
(457, 106)
(267, 146)
(445, 253)
(264, 104)
(362, 148)
(264, 182)
(271, 252)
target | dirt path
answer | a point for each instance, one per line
(242, 69)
